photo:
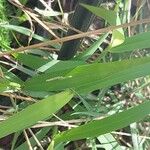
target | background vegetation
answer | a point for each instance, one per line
(62, 87)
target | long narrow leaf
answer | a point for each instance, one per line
(112, 17)
(108, 15)
(86, 78)
(34, 113)
(89, 51)
(22, 30)
(105, 125)
(135, 42)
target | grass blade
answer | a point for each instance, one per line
(135, 42)
(86, 78)
(105, 125)
(89, 51)
(34, 113)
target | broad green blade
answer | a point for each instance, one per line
(135, 42)
(32, 114)
(30, 60)
(60, 66)
(42, 64)
(106, 125)
(87, 78)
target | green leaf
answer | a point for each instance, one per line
(57, 65)
(117, 37)
(12, 77)
(109, 15)
(22, 30)
(8, 83)
(34, 113)
(106, 125)
(31, 60)
(135, 42)
(61, 66)
(4, 84)
(26, 32)
(86, 78)
(112, 17)
(89, 51)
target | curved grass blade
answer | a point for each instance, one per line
(87, 78)
(34, 113)
(27, 32)
(22, 30)
(90, 51)
(106, 125)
